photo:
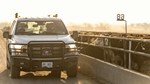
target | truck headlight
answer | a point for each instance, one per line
(18, 50)
(71, 49)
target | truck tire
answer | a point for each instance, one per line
(14, 71)
(72, 71)
(7, 61)
(8, 64)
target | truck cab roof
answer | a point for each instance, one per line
(37, 19)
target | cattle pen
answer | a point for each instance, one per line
(130, 51)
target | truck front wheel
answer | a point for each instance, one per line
(14, 71)
(8, 64)
(72, 70)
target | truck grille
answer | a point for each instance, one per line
(46, 49)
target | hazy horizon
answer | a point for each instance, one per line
(78, 11)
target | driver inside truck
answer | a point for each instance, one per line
(50, 28)
(21, 28)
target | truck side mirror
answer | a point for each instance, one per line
(6, 35)
(75, 35)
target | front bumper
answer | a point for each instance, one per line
(36, 64)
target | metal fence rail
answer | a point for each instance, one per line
(128, 45)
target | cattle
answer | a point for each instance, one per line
(96, 51)
(101, 47)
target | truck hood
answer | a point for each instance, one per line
(24, 39)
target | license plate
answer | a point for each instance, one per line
(47, 64)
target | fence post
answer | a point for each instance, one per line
(124, 55)
(130, 60)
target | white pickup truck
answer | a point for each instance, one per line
(40, 44)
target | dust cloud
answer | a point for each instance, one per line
(138, 28)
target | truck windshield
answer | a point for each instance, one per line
(40, 28)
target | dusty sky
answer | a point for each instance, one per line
(77, 11)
